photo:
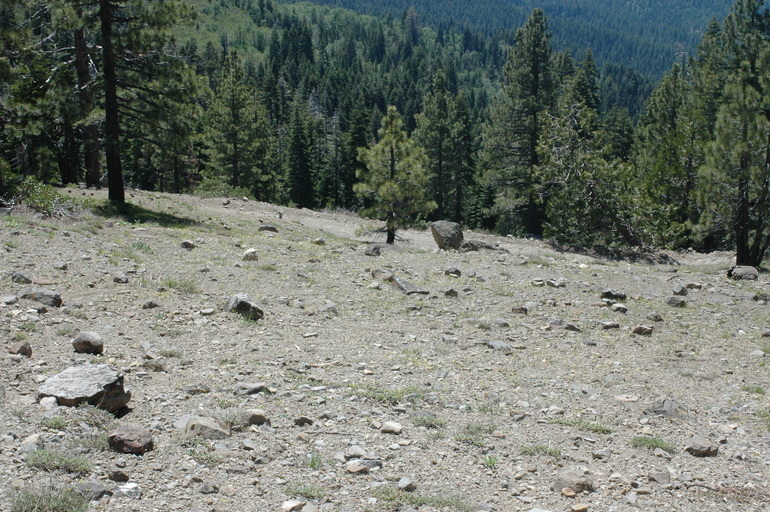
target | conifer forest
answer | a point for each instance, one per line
(586, 123)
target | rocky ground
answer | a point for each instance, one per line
(507, 383)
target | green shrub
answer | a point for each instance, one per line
(214, 187)
(58, 461)
(45, 199)
(48, 499)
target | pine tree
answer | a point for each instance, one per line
(509, 155)
(300, 165)
(395, 177)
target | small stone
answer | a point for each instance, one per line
(250, 255)
(93, 490)
(208, 488)
(42, 296)
(118, 475)
(680, 290)
(129, 490)
(88, 342)
(293, 505)
(521, 310)
(405, 484)
(150, 304)
(206, 428)
(661, 477)
(619, 308)
(18, 277)
(318, 241)
(676, 302)
(450, 293)
(130, 439)
(613, 295)
(187, 244)
(241, 303)
(453, 271)
(573, 478)
(268, 227)
(374, 250)
(567, 492)
(700, 447)
(579, 507)
(391, 427)
(303, 420)
(655, 317)
(22, 348)
(9, 299)
(643, 330)
(356, 469)
(610, 324)
(120, 279)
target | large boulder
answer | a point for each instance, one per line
(95, 384)
(42, 296)
(743, 273)
(130, 439)
(447, 235)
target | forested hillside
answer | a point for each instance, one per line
(321, 107)
(646, 35)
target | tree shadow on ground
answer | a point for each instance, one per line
(139, 215)
(629, 254)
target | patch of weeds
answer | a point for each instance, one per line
(95, 417)
(309, 491)
(474, 433)
(540, 449)
(758, 390)
(436, 435)
(200, 452)
(429, 422)
(20, 336)
(314, 460)
(587, 426)
(185, 285)
(652, 443)
(141, 247)
(54, 423)
(76, 313)
(67, 331)
(766, 349)
(11, 244)
(170, 353)
(484, 326)
(399, 499)
(490, 461)
(268, 267)
(92, 442)
(489, 406)
(385, 396)
(48, 460)
(29, 327)
(765, 417)
(228, 360)
(48, 498)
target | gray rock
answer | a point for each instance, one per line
(9, 299)
(88, 342)
(118, 475)
(619, 308)
(665, 407)
(206, 428)
(253, 417)
(573, 478)
(680, 290)
(448, 235)
(251, 388)
(453, 271)
(521, 310)
(129, 490)
(613, 295)
(208, 488)
(743, 273)
(643, 330)
(130, 439)
(18, 277)
(61, 265)
(700, 447)
(407, 287)
(499, 345)
(405, 484)
(478, 245)
(374, 250)
(95, 384)
(93, 490)
(303, 421)
(391, 427)
(22, 348)
(120, 279)
(250, 255)
(676, 302)
(655, 317)
(241, 303)
(267, 227)
(610, 324)
(42, 296)
(150, 304)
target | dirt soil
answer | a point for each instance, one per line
(498, 378)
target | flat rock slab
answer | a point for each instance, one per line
(130, 439)
(95, 384)
(573, 478)
(42, 296)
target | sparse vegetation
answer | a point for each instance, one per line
(652, 443)
(393, 396)
(54, 423)
(49, 460)
(397, 498)
(758, 390)
(490, 461)
(309, 491)
(587, 426)
(47, 498)
(540, 449)
(475, 434)
(431, 422)
(314, 460)
(183, 285)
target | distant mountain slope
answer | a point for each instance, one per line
(647, 35)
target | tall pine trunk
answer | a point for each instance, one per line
(112, 124)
